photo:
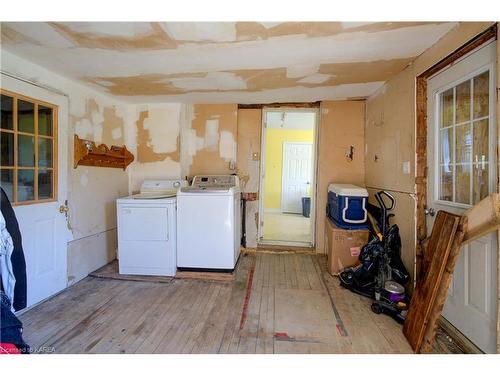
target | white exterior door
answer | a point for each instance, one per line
(297, 175)
(43, 228)
(462, 165)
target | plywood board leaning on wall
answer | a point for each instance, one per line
(341, 126)
(428, 300)
(442, 249)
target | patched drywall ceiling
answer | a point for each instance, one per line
(225, 62)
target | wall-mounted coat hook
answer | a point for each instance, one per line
(350, 153)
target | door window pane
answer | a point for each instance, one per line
(28, 164)
(447, 108)
(481, 95)
(464, 141)
(25, 116)
(44, 120)
(44, 184)
(481, 182)
(481, 141)
(45, 152)
(463, 103)
(446, 146)
(7, 149)
(26, 150)
(462, 184)
(7, 182)
(7, 112)
(446, 184)
(25, 185)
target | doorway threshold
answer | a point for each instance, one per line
(290, 246)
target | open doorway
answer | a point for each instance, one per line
(287, 185)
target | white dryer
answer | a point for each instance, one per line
(209, 223)
(147, 229)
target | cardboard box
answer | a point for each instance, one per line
(343, 246)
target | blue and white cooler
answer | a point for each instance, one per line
(347, 206)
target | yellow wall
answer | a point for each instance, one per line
(274, 161)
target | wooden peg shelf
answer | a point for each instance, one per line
(89, 154)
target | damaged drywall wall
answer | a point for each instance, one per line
(248, 162)
(209, 140)
(92, 192)
(341, 126)
(391, 138)
(92, 207)
(156, 142)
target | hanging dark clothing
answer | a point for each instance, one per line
(17, 258)
(11, 328)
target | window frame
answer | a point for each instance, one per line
(437, 130)
(36, 168)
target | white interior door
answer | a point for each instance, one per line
(43, 228)
(462, 164)
(297, 175)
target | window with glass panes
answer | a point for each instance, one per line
(464, 144)
(28, 140)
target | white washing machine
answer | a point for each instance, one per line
(209, 223)
(147, 229)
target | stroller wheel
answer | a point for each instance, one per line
(376, 308)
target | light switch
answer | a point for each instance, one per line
(406, 167)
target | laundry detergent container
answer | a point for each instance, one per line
(347, 206)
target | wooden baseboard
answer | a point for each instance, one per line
(458, 337)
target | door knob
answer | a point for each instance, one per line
(63, 208)
(430, 211)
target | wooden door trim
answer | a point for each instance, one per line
(421, 136)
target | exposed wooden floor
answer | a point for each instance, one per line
(287, 309)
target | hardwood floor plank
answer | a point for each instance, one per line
(230, 340)
(289, 292)
(168, 316)
(172, 341)
(86, 330)
(147, 322)
(210, 337)
(248, 333)
(265, 331)
(301, 273)
(126, 321)
(198, 320)
(65, 310)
